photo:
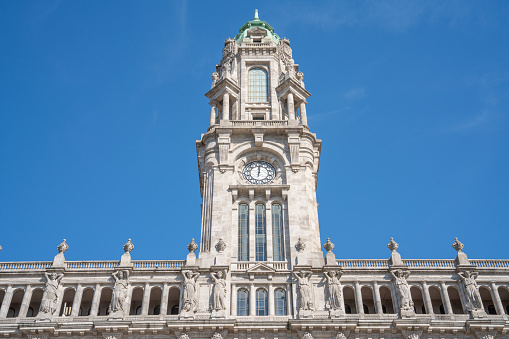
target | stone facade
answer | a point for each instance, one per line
(260, 270)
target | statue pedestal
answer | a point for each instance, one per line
(220, 260)
(191, 259)
(407, 314)
(330, 259)
(115, 315)
(59, 261)
(336, 313)
(305, 314)
(186, 315)
(216, 314)
(479, 313)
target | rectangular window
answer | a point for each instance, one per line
(277, 233)
(260, 230)
(243, 249)
(258, 85)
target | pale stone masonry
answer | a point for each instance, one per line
(260, 271)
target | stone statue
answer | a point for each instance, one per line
(334, 287)
(119, 295)
(183, 336)
(307, 335)
(190, 300)
(50, 295)
(474, 301)
(215, 79)
(217, 335)
(402, 289)
(340, 335)
(219, 300)
(305, 290)
(461, 257)
(395, 259)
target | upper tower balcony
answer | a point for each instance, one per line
(257, 82)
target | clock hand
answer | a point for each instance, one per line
(258, 172)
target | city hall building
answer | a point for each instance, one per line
(260, 271)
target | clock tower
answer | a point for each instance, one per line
(258, 161)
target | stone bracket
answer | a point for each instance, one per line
(258, 136)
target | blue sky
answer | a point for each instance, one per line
(101, 103)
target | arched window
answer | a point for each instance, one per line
(242, 302)
(243, 250)
(261, 302)
(277, 233)
(260, 230)
(280, 302)
(258, 85)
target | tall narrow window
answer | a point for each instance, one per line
(277, 233)
(260, 230)
(280, 302)
(261, 302)
(258, 85)
(243, 250)
(242, 302)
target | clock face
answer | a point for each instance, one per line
(259, 172)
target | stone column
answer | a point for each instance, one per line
(496, 298)
(447, 301)
(303, 114)
(76, 303)
(270, 300)
(427, 298)
(358, 298)
(252, 300)
(289, 308)
(290, 106)
(234, 300)
(378, 300)
(95, 300)
(164, 299)
(234, 110)
(25, 304)
(226, 107)
(6, 302)
(212, 114)
(146, 299)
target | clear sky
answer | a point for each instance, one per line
(101, 103)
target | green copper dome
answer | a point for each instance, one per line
(256, 22)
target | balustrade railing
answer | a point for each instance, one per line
(259, 122)
(158, 264)
(28, 265)
(90, 265)
(244, 265)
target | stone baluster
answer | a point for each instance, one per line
(234, 299)
(226, 107)
(25, 304)
(427, 298)
(146, 299)
(378, 300)
(496, 298)
(303, 114)
(291, 106)
(6, 302)
(270, 300)
(252, 300)
(95, 300)
(164, 299)
(212, 114)
(76, 303)
(447, 301)
(358, 298)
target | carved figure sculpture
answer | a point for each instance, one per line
(334, 287)
(50, 295)
(190, 301)
(219, 300)
(215, 79)
(471, 290)
(307, 335)
(183, 336)
(402, 289)
(305, 290)
(340, 335)
(119, 291)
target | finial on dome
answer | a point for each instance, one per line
(256, 18)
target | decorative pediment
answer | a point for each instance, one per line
(256, 33)
(261, 268)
